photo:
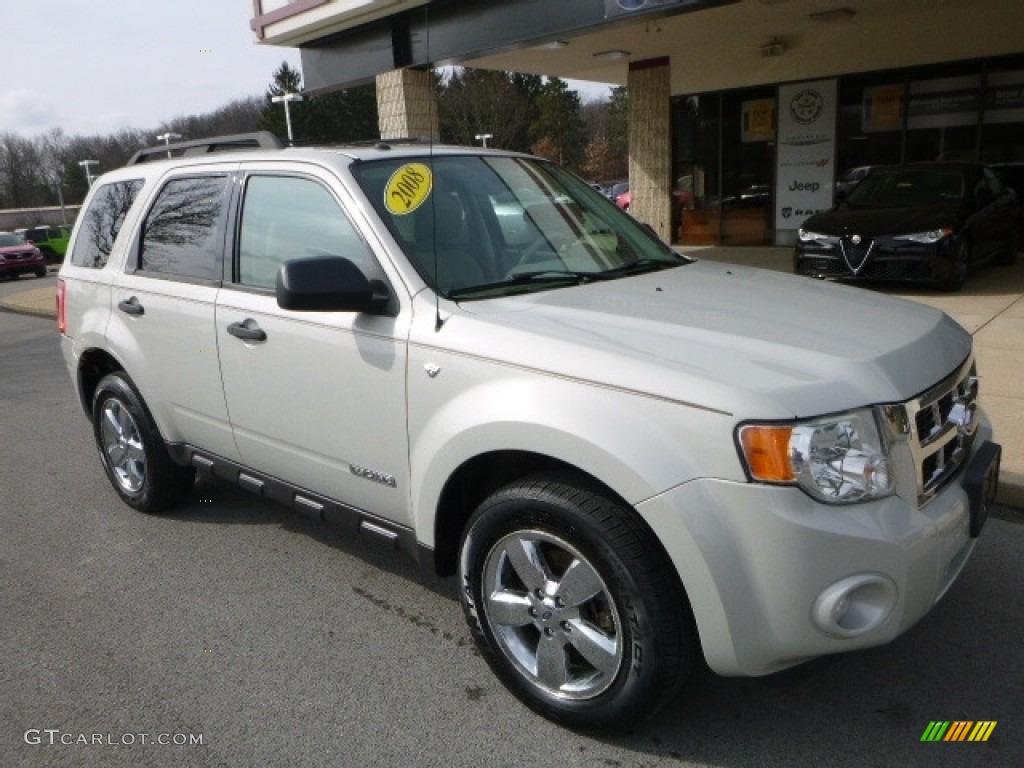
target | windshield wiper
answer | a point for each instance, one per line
(540, 276)
(643, 265)
(568, 276)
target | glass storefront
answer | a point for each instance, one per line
(725, 155)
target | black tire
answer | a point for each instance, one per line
(132, 451)
(613, 654)
(959, 265)
(41, 272)
(1008, 256)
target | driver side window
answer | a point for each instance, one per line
(286, 217)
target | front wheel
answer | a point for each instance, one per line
(574, 604)
(132, 451)
(1008, 256)
(959, 264)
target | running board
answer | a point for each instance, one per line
(335, 513)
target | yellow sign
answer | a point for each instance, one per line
(758, 120)
(407, 188)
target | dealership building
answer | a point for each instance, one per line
(749, 110)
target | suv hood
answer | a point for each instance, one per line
(750, 342)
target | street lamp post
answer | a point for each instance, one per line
(285, 98)
(166, 139)
(483, 137)
(86, 164)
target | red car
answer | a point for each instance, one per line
(680, 197)
(17, 256)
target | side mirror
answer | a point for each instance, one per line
(329, 284)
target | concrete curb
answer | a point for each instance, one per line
(991, 308)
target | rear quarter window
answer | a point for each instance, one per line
(101, 222)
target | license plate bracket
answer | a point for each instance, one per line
(981, 482)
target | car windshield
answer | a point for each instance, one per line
(7, 239)
(483, 226)
(908, 187)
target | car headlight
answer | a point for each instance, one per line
(808, 236)
(837, 459)
(931, 236)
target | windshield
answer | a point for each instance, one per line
(485, 226)
(901, 188)
(7, 239)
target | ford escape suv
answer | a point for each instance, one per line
(629, 459)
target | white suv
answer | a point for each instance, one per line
(627, 457)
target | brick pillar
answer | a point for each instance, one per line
(407, 104)
(650, 149)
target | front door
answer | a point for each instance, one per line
(315, 399)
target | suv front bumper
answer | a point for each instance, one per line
(776, 578)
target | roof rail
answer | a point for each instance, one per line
(386, 143)
(257, 139)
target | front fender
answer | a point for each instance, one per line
(636, 445)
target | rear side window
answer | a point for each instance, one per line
(183, 234)
(101, 222)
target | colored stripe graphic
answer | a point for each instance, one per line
(959, 730)
(982, 730)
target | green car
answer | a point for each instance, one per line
(51, 240)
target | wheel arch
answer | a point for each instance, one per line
(476, 479)
(93, 365)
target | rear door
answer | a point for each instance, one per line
(162, 318)
(318, 399)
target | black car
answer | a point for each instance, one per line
(927, 222)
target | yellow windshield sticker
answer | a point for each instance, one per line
(407, 188)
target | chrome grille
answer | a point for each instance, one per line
(943, 422)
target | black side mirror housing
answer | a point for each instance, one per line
(329, 284)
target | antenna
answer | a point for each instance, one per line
(431, 106)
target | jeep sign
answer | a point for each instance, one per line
(806, 151)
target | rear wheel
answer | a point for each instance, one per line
(131, 450)
(574, 604)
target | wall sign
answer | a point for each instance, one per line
(806, 154)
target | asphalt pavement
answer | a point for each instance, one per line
(991, 307)
(233, 632)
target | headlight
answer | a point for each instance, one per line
(931, 236)
(838, 459)
(807, 236)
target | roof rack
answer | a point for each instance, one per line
(386, 143)
(255, 140)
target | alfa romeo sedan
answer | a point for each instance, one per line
(926, 222)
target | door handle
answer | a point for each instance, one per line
(248, 330)
(131, 306)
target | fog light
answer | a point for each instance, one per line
(855, 606)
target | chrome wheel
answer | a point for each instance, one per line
(552, 614)
(121, 442)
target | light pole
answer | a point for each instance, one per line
(483, 137)
(85, 164)
(285, 98)
(166, 139)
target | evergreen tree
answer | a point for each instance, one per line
(559, 123)
(340, 116)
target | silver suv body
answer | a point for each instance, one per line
(627, 457)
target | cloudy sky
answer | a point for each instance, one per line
(98, 66)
